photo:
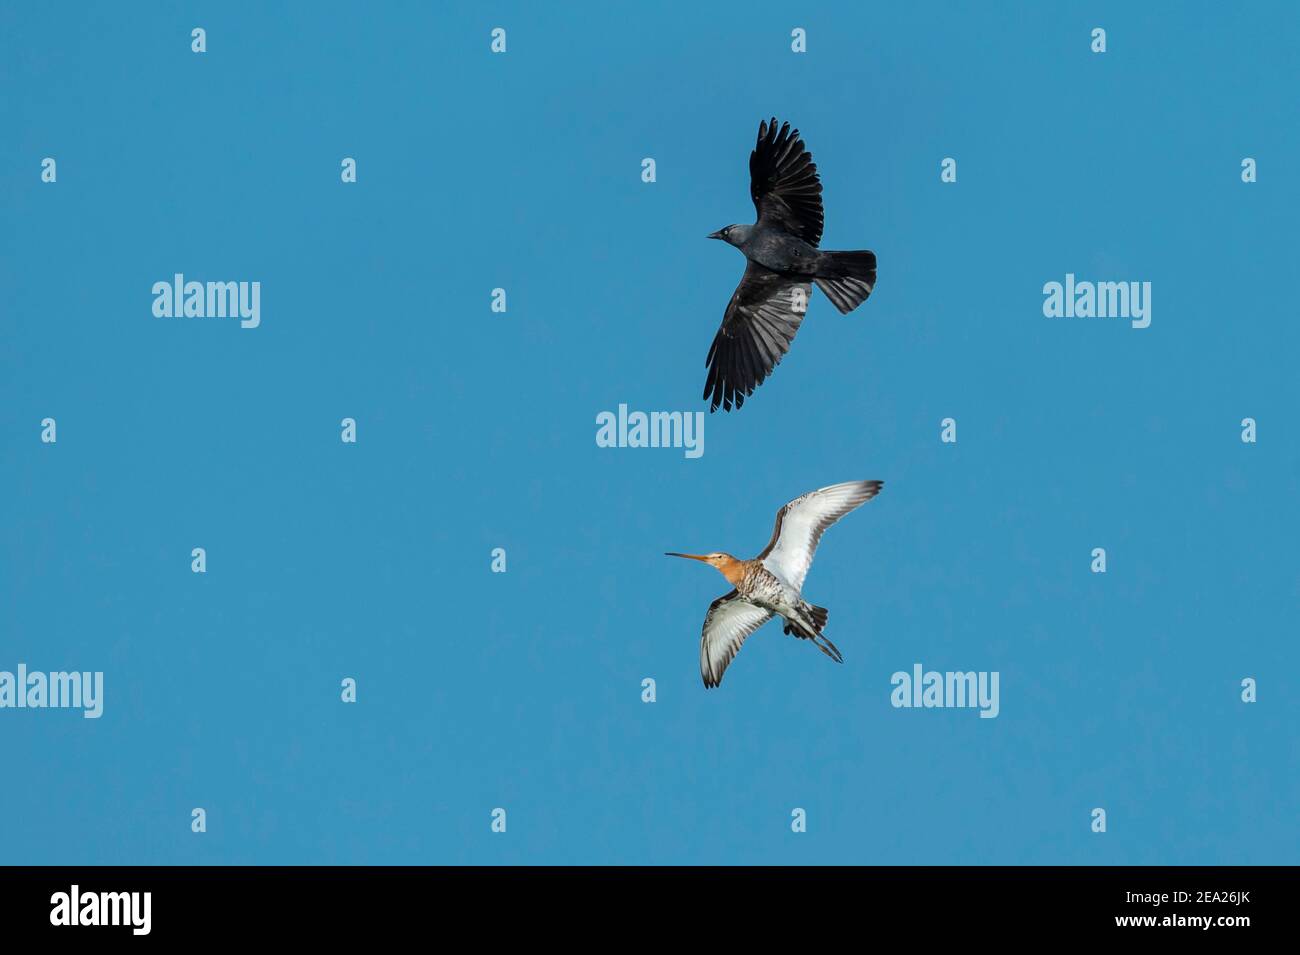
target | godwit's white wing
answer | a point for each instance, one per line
(801, 523)
(731, 618)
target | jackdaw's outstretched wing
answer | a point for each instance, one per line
(784, 184)
(760, 323)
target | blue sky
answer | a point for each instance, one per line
(476, 430)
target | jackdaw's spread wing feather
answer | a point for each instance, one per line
(757, 329)
(784, 184)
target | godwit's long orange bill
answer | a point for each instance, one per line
(772, 583)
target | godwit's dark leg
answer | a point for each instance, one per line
(833, 652)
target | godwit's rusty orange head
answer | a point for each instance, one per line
(725, 564)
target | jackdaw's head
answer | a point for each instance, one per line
(732, 234)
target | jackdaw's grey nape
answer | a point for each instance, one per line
(764, 313)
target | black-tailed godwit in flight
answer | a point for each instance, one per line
(772, 583)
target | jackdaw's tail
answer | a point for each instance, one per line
(846, 278)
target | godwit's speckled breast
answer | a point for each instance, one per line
(762, 587)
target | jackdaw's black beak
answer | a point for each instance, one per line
(714, 235)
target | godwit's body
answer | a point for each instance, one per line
(766, 589)
(772, 583)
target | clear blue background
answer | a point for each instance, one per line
(476, 430)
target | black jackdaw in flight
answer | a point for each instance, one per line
(783, 263)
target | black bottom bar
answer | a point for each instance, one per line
(339, 904)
